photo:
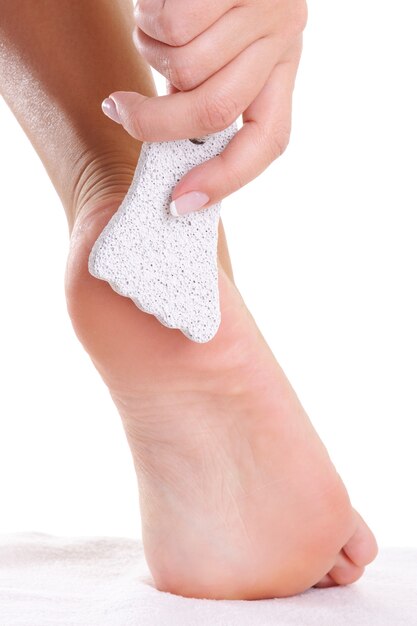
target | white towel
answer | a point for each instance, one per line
(100, 581)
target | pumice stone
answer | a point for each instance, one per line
(167, 265)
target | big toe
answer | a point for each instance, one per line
(350, 563)
(362, 547)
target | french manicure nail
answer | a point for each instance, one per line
(109, 108)
(188, 202)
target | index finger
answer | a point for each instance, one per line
(208, 108)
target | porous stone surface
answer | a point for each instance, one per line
(167, 265)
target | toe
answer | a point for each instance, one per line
(349, 566)
(326, 581)
(362, 547)
(343, 572)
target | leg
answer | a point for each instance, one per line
(58, 103)
(239, 497)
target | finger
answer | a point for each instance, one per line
(188, 66)
(171, 88)
(263, 137)
(212, 106)
(176, 22)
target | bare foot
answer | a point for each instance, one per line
(239, 498)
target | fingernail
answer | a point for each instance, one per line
(188, 202)
(109, 108)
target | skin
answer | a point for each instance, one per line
(239, 498)
(207, 92)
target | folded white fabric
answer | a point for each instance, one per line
(99, 581)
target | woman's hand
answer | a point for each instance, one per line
(221, 58)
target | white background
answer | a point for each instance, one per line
(324, 249)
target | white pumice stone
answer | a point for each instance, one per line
(167, 265)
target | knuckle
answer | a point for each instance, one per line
(299, 17)
(183, 80)
(234, 176)
(181, 74)
(134, 123)
(277, 142)
(218, 112)
(144, 5)
(173, 31)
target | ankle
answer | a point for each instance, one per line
(103, 180)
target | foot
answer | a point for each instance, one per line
(239, 498)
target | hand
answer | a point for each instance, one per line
(221, 58)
